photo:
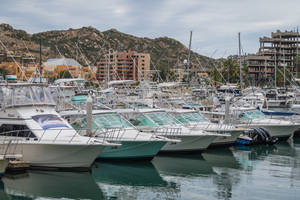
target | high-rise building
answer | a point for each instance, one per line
(124, 66)
(276, 52)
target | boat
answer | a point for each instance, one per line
(44, 139)
(196, 120)
(250, 117)
(159, 122)
(109, 125)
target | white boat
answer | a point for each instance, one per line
(44, 138)
(250, 117)
(109, 125)
(158, 122)
(7, 154)
(193, 119)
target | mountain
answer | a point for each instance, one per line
(165, 52)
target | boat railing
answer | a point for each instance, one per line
(8, 148)
(168, 131)
(56, 136)
(110, 134)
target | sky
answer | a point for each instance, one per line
(215, 23)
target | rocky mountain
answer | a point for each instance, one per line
(88, 44)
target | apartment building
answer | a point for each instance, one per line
(123, 66)
(276, 52)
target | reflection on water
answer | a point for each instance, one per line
(134, 180)
(257, 172)
(184, 166)
(51, 185)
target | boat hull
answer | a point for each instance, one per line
(189, 143)
(281, 132)
(56, 155)
(3, 166)
(223, 141)
(136, 150)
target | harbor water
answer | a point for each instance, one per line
(257, 172)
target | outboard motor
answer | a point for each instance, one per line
(256, 136)
(262, 136)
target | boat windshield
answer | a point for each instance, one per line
(24, 95)
(109, 121)
(106, 121)
(253, 114)
(192, 117)
(161, 118)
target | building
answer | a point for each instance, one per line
(123, 66)
(53, 66)
(278, 51)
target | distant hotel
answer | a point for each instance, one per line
(279, 50)
(124, 66)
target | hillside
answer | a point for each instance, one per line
(165, 52)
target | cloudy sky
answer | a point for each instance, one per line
(215, 23)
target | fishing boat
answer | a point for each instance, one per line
(159, 122)
(109, 125)
(44, 138)
(250, 117)
(193, 119)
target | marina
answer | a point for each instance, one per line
(270, 172)
(98, 101)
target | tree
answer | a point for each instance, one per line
(3, 72)
(64, 74)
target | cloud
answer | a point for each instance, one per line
(215, 24)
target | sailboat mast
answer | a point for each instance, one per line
(240, 58)
(189, 56)
(40, 60)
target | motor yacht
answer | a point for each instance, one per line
(44, 138)
(159, 122)
(109, 125)
(194, 120)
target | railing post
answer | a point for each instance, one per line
(72, 137)
(57, 135)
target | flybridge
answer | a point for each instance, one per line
(25, 94)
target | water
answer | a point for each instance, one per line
(260, 172)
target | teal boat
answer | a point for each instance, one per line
(135, 144)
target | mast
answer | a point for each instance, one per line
(275, 69)
(189, 55)
(284, 65)
(40, 60)
(240, 58)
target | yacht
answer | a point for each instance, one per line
(44, 138)
(109, 125)
(193, 119)
(159, 122)
(250, 117)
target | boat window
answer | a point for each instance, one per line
(25, 95)
(48, 121)
(253, 114)
(110, 121)
(161, 118)
(190, 118)
(142, 120)
(16, 130)
(103, 121)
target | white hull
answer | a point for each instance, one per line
(58, 155)
(227, 140)
(3, 166)
(281, 131)
(189, 143)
